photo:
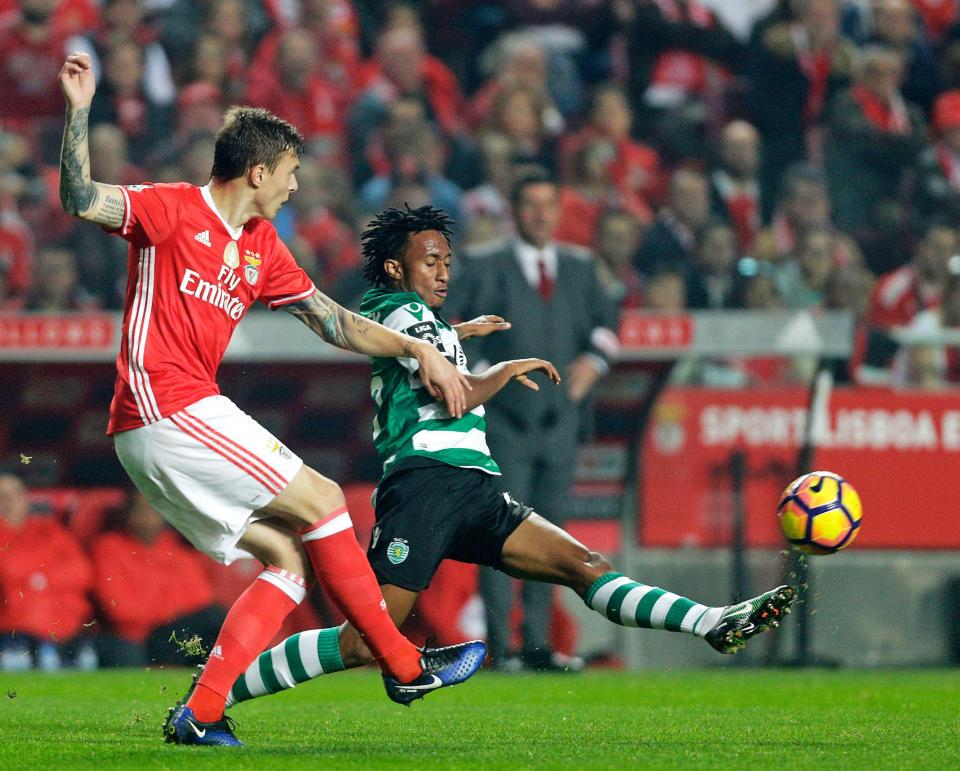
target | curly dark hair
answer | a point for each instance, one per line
(387, 234)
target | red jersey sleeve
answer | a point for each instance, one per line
(286, 282)
(150, 212)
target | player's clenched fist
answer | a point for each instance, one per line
(76, 81)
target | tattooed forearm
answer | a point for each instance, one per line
(348, 330)
(76, 188)
(323, 316)
(79, 195)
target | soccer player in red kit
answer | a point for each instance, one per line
(199, 257)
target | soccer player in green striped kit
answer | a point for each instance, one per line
(439, 496)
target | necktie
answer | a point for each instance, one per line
(545, 287)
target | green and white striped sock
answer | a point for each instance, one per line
(628, 603)
(299, 658)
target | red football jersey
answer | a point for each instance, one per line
(191, 277)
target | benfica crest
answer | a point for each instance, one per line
(251, 271)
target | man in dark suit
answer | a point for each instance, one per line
(551, 295)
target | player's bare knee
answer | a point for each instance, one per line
(325, 497)
(284, 552)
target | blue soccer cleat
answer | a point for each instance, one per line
(183, 728)
(442, 667)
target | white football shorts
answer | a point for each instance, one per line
(208, 469)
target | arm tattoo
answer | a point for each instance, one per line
(325, 317)
(76, 190)
(80, 196)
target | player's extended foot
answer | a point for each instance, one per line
(442, 667)
(740, 622)
(182, 700)
(182, 727)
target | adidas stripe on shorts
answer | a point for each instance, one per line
(208, 469)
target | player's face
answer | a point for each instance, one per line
(277, 185)
(425, 268)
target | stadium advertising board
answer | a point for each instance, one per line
(30, 334)
(898, 448)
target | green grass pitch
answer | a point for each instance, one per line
(718, 718)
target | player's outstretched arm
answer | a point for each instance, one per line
(495, 379)
(79, 195)
(353, 332)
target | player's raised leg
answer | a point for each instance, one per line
(251, 623)
(538, 550)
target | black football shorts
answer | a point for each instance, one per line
(429, 512)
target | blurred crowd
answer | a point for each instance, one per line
(771, 154)
(107, 601)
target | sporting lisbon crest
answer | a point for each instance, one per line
(397, 551)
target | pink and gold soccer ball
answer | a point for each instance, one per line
(820, 513)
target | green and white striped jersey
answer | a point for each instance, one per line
(409, 421)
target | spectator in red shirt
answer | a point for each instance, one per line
(874, 143)
(798, 64)
(592, 190)
(297, 93)
(44, 579)
(734, 183)
(31, 54)
(402, 68)
(16, 250)
(636, 171)
(134, 566)
(898, 297)
(335, 30)
(325, 245)
(516, 59)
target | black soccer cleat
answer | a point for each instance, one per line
(442, 667)
(738, 623)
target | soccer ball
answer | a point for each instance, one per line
(819, 513)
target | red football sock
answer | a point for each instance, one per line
(345, 575)
(250, 625)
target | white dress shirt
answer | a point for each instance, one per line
(529, 257)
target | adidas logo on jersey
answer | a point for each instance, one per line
(203, 237)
